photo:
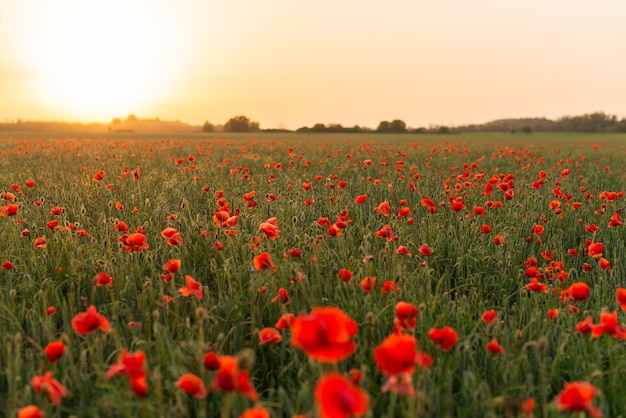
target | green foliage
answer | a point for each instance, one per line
(396, 126)
(240, 124)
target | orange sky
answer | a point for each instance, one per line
(298, 63)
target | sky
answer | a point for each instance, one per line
(291, 64)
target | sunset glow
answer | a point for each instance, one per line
(90, 61)
(284, 63)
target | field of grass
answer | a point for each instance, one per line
(455, 226)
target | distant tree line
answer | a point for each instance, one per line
(396, 126)
(333, 128)
(592, 122)
(235, 124)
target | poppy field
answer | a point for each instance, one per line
(284, 275)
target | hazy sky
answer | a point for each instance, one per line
(297, 63)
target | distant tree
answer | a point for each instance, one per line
(527, 130)
(240, 124)
(131, 118)
(383, 127)
(443, 130)
(397, 126)
(334, 128)
(318, 127)
(208, 127)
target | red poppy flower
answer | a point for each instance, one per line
(284, 322)
(457, 205)
(54, 351)
(294, 252)
(585, 326)
(269, 335)
(608, 325)
(172, 265)
(553, 313)
(134, 242)
(211, 361)
(7, 265)
(98, 176)
(367, 284)
(39, 242)
(595, 249)
(479, 210)
(230, 378)
(403, 212)
(577, 291)
(270, 228)
(396, 354)
(132, 365)
(485, 229)
(263, 261)
(56, 391)
(258, 412)
(337, 397)
(498, 240)
(384, 209)
(360, 199)
(389, 286)
(9, 210)
(172, 236)
(535, 286)
(576, 397)
(405, 315)
(445, 337)
(103, 279)
(494, 347)
(345, 275)
(121, 226)
(193, 288)
(193, 385)
(325, 334)
(385, 232)
(86, 322)
(425, 250)
(30, 411)
(403, 250)
(489, 317)
(604, 264)
(57, 210)
(537, 230)
(282, 296)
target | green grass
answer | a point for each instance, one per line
(466, 274)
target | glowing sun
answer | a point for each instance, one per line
(102, 59)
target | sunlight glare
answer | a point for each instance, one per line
(98, 60)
